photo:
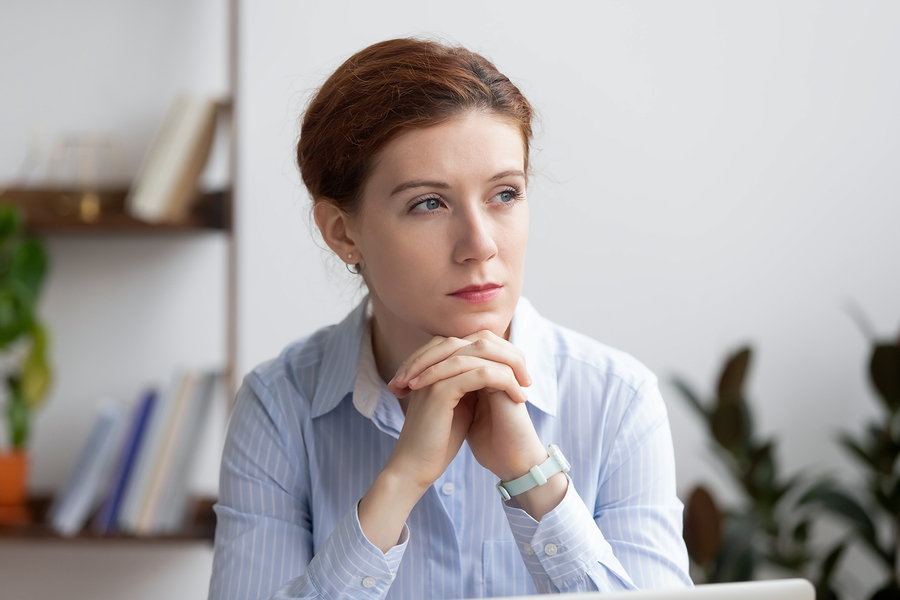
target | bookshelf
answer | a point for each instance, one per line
(55, 211)
(202, 527)
(60, 213)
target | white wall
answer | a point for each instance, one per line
(708, 174)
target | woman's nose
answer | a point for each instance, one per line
(475, 239)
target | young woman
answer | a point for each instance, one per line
(364, 462)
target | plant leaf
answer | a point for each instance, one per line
(801, 532)
(36, 375)
(888, 592)
(28, 265)
(702, 526)
(689, 395)
(829, 564)
(853, 446)
(730, 425)
(17, 413)
(884, 368)
(731, 381)
(737, 559)
(15, 316)
(10, 221)
(838, 502)
(762, 470)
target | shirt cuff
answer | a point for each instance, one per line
(564, 546)
(350, 566)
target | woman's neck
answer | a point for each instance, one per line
(392, 343)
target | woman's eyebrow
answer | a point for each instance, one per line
(515, 172)
(414, 183)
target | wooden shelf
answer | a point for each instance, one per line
(201, 529)
(52, 211)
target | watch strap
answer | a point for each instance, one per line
(536, 476)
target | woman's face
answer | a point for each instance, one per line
(442, 228)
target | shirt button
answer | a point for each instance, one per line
(528, 549)
(369, 582)
(448, 489)
(550, 549)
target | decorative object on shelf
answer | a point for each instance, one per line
(85, 168)
(167, 182)
(23, 338)
(770, 524)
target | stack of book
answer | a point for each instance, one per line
(132, 473)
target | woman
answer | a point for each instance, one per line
(364, 461)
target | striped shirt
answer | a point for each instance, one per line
(312, 429)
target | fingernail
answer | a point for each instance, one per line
(412, 382)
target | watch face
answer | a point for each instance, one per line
(503, 493)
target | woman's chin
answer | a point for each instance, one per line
(471, 324)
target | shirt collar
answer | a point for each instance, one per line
(530, 334)
(348, 364)
(339, 360)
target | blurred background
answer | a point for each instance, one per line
(707, 175)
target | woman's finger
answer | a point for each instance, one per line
(487, 375)
(497, 375)
(488, 345)
(436, 350)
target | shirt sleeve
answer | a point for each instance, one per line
(631, 536)
(264, 541)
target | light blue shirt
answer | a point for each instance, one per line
(312, 429)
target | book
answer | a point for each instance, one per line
(167, 181)
(87, 480)
(144, 462)
(165, 456)
(172, 513)
(105, 520)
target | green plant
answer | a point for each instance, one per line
(878, 452)
(23, 265)
(768, 526)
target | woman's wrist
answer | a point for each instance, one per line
(540, 500)
(520, 463)
(385, 508)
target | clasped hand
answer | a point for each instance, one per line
(470, 389)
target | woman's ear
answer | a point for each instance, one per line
(334, 224)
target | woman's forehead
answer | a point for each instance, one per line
(470, 147)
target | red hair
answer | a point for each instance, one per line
(384, 90)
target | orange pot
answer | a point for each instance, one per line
(13, 478)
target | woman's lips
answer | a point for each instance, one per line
(477, 294)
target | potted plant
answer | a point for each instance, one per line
(768, 527)
(23, 345)
(872, 510)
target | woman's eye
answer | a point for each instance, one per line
(507, 196)
(429, 204)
